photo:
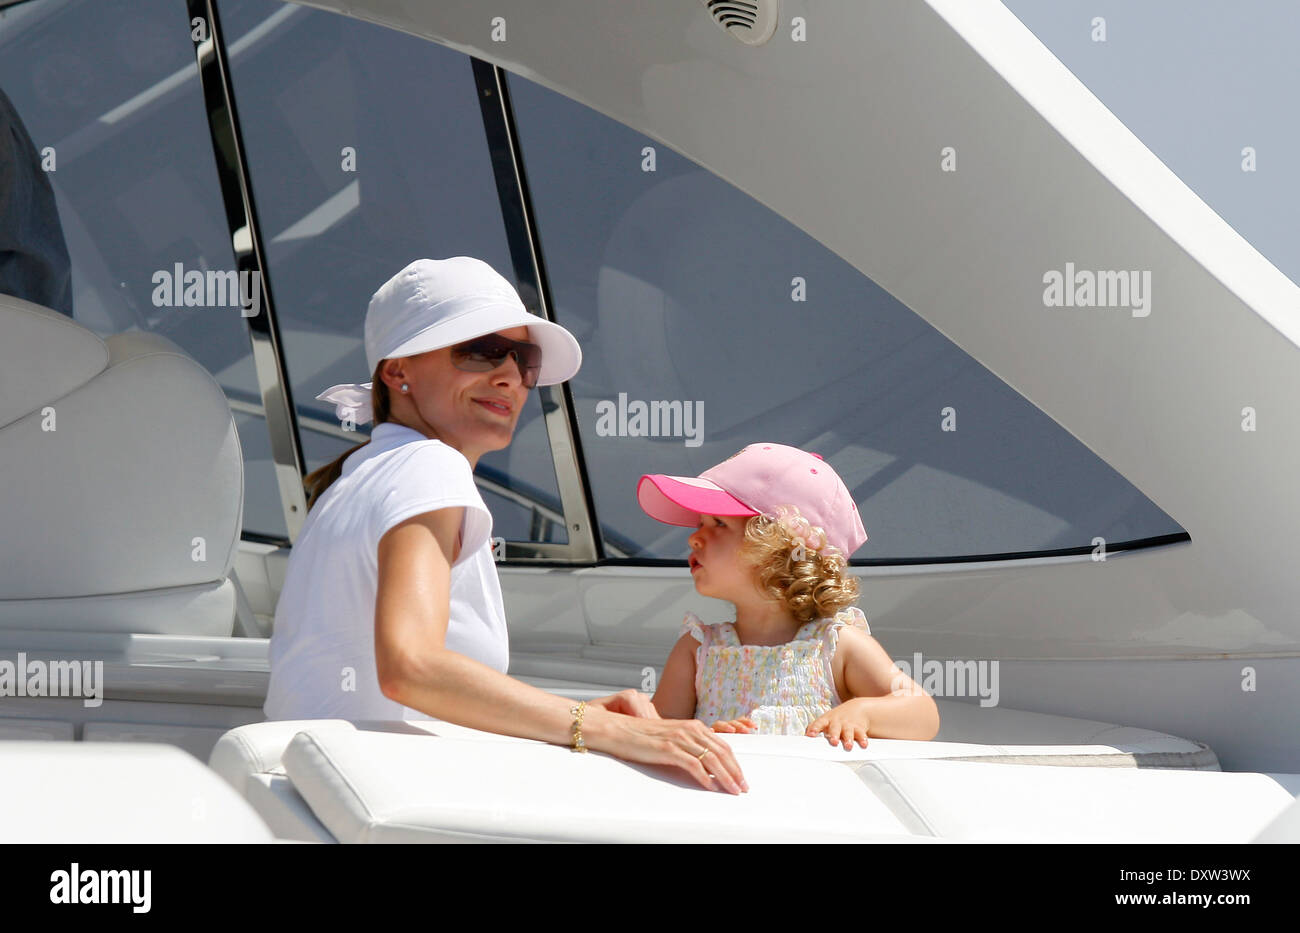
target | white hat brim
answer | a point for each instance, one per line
(561, 354)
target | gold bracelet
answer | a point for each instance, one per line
(577, 711)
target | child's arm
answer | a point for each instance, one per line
(675, 698)
(884, 702)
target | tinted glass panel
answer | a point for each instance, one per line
(367, 151)
(688, 293)
(108, 94)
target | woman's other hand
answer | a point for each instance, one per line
(683, 743)
(743, 724)
(629, 703)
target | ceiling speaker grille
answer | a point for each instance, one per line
(750, 21)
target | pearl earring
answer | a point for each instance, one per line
(405, 387)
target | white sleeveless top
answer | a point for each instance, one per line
(323, 645)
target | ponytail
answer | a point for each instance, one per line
(316, 482)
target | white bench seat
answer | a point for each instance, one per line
(319, 780)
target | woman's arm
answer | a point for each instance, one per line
(412, 609)
(675, 698)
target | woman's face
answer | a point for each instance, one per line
(717, 566)
(473, 412)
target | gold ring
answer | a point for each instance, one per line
(703, 753)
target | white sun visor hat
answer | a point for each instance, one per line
(436, 303)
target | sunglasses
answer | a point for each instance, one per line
(484, 354)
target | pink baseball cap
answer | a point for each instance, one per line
(759, 479)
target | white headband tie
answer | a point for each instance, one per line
(351, 401)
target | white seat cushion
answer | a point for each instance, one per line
(109, 555)
(257, 747)
(280, 805)
(973, 801)
(34, 335)
(248, 758)
(1017, 736)
(102, 792)
(383, 787)
(1285, 827)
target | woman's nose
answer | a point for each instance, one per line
(508, 371)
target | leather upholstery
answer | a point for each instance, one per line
(383, 787)
(969, 801)
(407, 781)
(143, 460)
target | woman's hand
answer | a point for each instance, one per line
(743, 724)
(683, 743)
(845, 724)
(628, 702)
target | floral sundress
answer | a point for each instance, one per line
(782, 688)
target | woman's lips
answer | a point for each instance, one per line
(694, 563)
(493, 405)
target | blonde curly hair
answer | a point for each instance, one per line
(793, 563)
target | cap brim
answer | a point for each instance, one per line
(681, 500)
(561, 355)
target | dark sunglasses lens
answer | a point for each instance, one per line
(530, 363)
(487, 353)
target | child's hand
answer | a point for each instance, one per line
(846, 724)
(744, 724)
(629, 703)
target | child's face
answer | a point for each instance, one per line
(716, 563)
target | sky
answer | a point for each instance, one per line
(1197, 81)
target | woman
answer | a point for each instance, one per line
(391, 606)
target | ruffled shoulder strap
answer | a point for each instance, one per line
(719, 633)
(691, 625)
(851, 616)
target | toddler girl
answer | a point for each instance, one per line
(775, 528)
